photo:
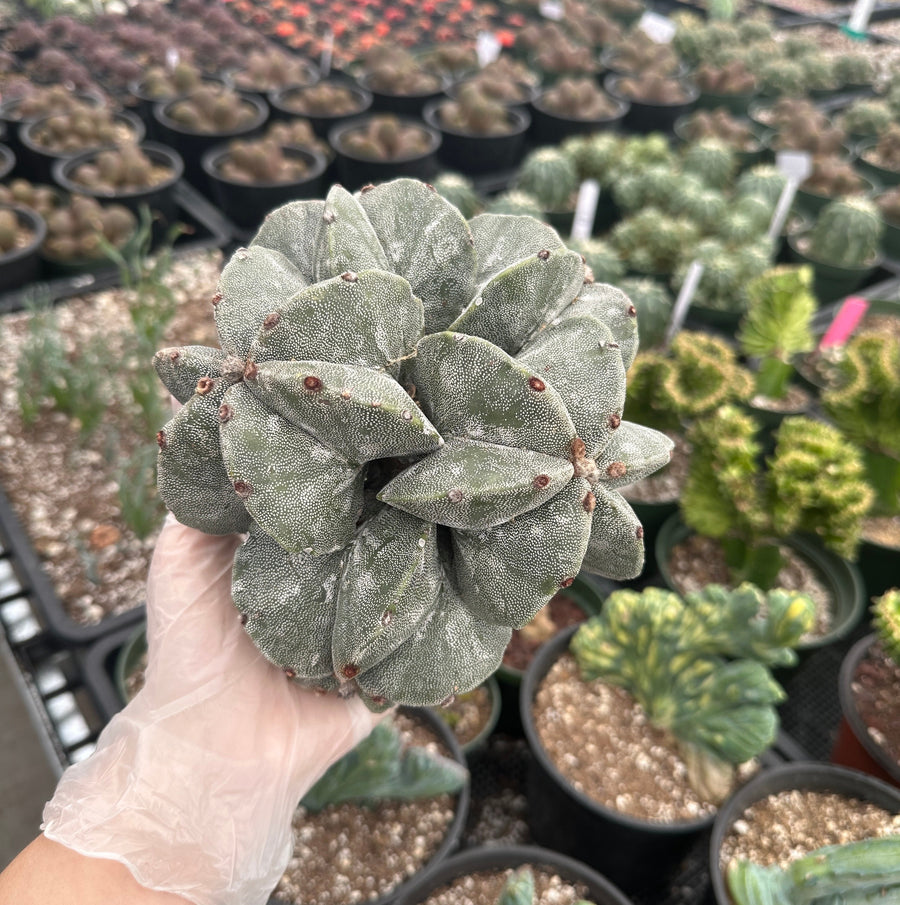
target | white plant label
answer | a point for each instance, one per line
(683, 302)
(859, 17)
(585, 209)
(172, 57)
(552, 9)
(488, 47)
(796, 166)
(658, 28)
(327, 51)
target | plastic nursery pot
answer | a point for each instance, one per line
(890, 243)
(801, 776)
(841, 578)
(830, 282)
(246, 204)
(454, 831)
(21, 265)
(36, 162)
(620, 846)
(159, 197)
(646, 116)
(7, 161)
(478, 154)
(502, 858)
(192, 145)
(879, 565)
(355, 171)
(404, 104)
(854, 746)
(548, 127)
(286, 102)
(877, 174)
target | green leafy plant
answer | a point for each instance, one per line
(379, 768)
(886, 620)
(855, 872)
(699, 667)
(776, 326)
(814, 482)
(391, 418)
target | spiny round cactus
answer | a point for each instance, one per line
(713, 161)
(854, 69)
(417, 420)
(472, 112)
(651, 186)
(653, 242)
(847, 233)
(604, 264)
(41, 198)
(515, 202)
(720, 125)
(654, 308)
(867, 117)
(886, 619)
(595, 156)
(549, 175)
(579, 99)
(74, 231)
(460, 191)
(266, 70)
(706, 207)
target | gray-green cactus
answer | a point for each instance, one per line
(853, 873)
(595, 156)
(515, 203)
(652, 242)
(550, 175)
(417, 420)
(670, 654)
(763, 181)
(847, 233)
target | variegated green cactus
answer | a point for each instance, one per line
(417, 421)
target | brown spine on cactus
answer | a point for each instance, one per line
(161, 440)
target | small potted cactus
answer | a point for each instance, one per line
(868, 687)
(251, 177)
(722, 126)
(398, 81)
(460, 191)
(880, 158)
(326, 104)
(480, 135)
(473, 715)
(161, 83)
(38, 101)
(554, 53)
(549, 175)
(638, 54)
(866, 119)
(843, 247)
(675, 699)
(657, 101)
(652, 242)
(732, 86)
(574, 106)
(382, 146)
(22, 230)
(41, 198)
(270, 69)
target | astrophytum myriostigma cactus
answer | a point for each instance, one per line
(417, 422)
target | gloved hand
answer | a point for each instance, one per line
(193, 785)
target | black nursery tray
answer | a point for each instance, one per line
(209, 229)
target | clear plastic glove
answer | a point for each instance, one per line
(193, 785)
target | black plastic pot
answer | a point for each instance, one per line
(354, 171)
(890, 243)
(7, 161)
(830, 281)
(480, 739)
(637, 855)
(480, 154)
(246, 204)
(13, 121)
(192, 145)
(854, 746)
(502, 858)
(879, 565)
(812, 203)
(839, 576)
(548, 127)
(454, 831)
(36, 163)
(404, 104)
(802, 776)
(159, 197)
(645, 116)
(21, 265)
(286, 108)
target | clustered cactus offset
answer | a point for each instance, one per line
(386, 137)
(124, 169)
(211, 109)
(418, 423)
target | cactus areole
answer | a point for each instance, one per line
(417, 423)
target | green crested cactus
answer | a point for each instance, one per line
(847, 233)
(852, 873)
(776, 326)
(604, 263)
(550, 176)
(652, 242)
(460, 191)
(698, 666)
(886, 620)
(814, 482)
(417, 421)
(654, 308)
(713, 161)
(698, 374)
(380, 769)
(865, 403)
(515, 202)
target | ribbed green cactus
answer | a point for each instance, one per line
(604, 263)
(886, 619)
(515, 203)
(652, 242)
(460, 192)
(853, 873)
(670, 654)
(813, 483)
(595, 156)
(417, 421)
(746, 220)
(705, 206)
(764, 181)
(550, 175)
(865, 404)
(776, 326)
(847, 233)
(650, 186)
(713, 161)
(654, 308)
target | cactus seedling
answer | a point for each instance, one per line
(84, 128)
(698, 666)
(847, 233)
(395, 539)
(261, 162)
(266, 70)
(77, 231)
(519, 889)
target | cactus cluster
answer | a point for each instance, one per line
(385, 137)
(396, 71)
(595, 156)
(12, 235)
(261, 162)
(847, 233)
(297, 133)
(783, 77)
(720, 125)
(75, 231)
(731, 78)
(834, 177)
(653, 242)
(550, 176)
(43, 100)
(866, 117)
(41, 198)
(266, 70)
(210, 109)
(654, 88)
(326, 98)
(638, 54)
(472, 112)
(117, 170)
(578, 98)
(84, 128)
(417, 421)
(728, 268)
(699, 666)
(886, 153)
(886, 620)
(554, 53)
(801, 126)
(162, 83)
(501, 86)
(453, 60)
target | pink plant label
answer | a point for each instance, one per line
(845, 321)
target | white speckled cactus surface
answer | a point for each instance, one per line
(417, 422)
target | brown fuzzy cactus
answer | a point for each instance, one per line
(41, 101)
(889, 206)
(397, 71)
(82, 129)
(654, 89)
(638, 54)
(578, 99)
(273, 68)
(161, 83)
(732, 78)
(834, 177)
(720, 125)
